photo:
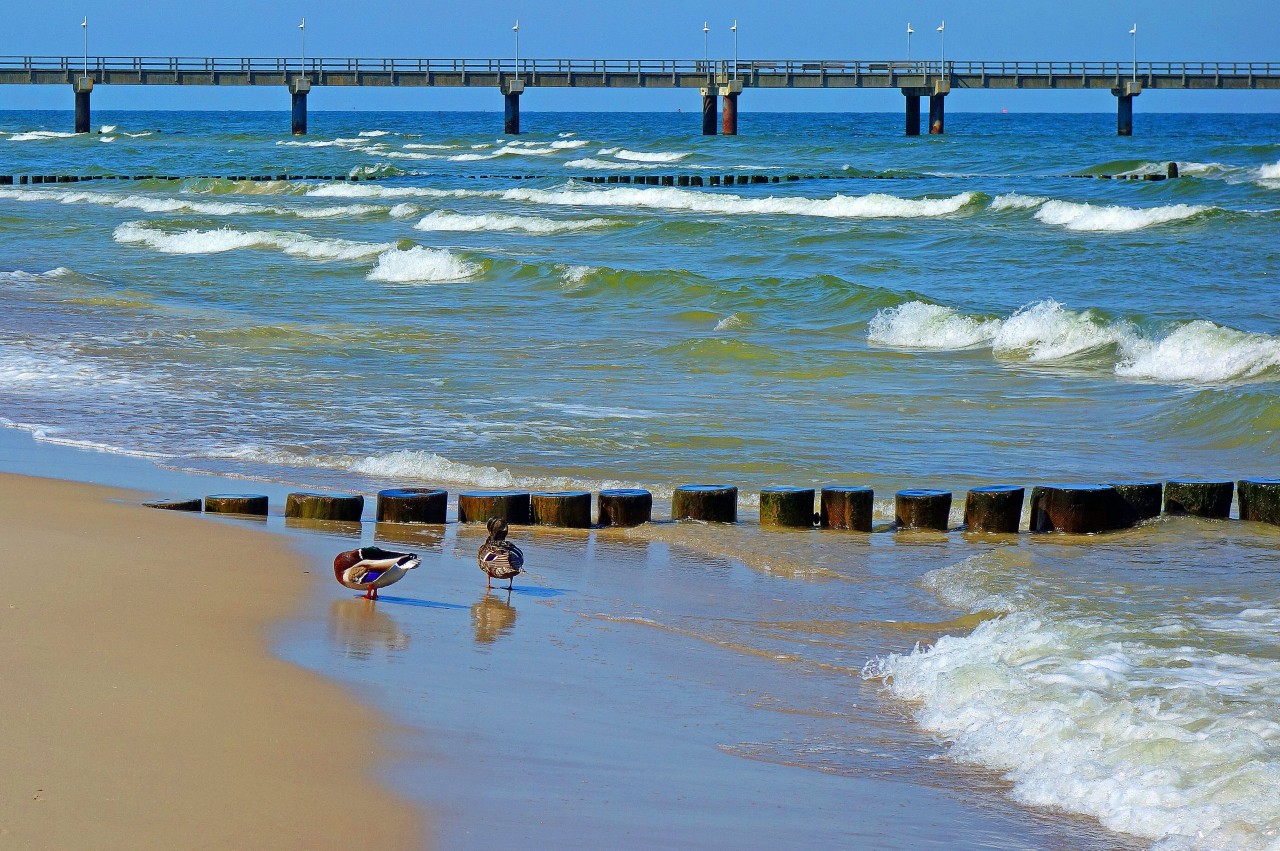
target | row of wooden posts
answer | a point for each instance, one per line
(1075, 508)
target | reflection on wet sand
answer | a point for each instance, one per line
(361, 627)
(493, 617)
(341, 528)
(421, 536)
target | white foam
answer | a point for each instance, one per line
(600, 165)
(1047, 331)
(107, 128)
(443, 220)
(1113, 219)
(564, 145)
(426, 146)
(160, 204)
(420, 265)
(374, 133)
(573, 276)
(226, 239)
(1269, 171)
(106, 138)
(40, 136)
(1014, 201)
(647, 156)
(919, 325)
(429, 467)
(875, 205)
(403, 211)
(412, 155)
(1096, 711)
(1201, 352)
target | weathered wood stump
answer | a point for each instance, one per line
(711, 503)
(1198, 498)
(324, 506)
(412, 505)
(1259, 500)
(1143, 498)
(994, 508)
(789, 507)
(174, 504)
(571, 509)
(624, 507)
(236, 503)
(479, 506)
(922, 508)
(1078, 509)
(847, 508)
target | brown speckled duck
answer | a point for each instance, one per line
(370, 568)
(499, 558)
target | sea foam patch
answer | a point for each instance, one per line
(421, 265)
(1113, 218)
(228, 239)
(1140, 718)
(444, 220)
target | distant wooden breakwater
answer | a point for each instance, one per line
(719, 82)
(689, 180)
(1070, 508)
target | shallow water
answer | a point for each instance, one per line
(982, 317)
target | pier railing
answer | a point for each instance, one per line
(768, 72)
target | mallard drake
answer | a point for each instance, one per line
(370, 568)
(499, 558)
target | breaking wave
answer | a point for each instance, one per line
(443, 220)
(420, 265)
(227, 239)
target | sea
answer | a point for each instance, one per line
(976, 308)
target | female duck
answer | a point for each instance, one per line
(499, 558)
(370, 568)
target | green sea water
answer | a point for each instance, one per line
(986, 316)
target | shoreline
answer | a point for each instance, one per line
(145, 706)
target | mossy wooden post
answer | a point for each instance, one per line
(1198, 498)
(1143, 498)
(1259, 500)
(412, 505)
(1078, 509)
(174, 504)
(254, 504)
(847, 508)
(624, 507)
(922, 508)
(479, 506)
(994, 508)
(711, 503)
(324, 506)
(790, 507)
(571, 509)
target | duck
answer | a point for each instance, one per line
(370, 568)
(499, 558)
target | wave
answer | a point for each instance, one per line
(226, 239)
(875, 205)
(1015, 201)
(420, 265)
(443, 220)
(1114, 219)
(919, 325)
(152, 204)
(411, 155)
(601, 165)
(40, 136)
(644, 156)
(427, 146)
(1197, 352)
(1159, 724)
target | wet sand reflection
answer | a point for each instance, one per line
(362, 628)
(493, 617)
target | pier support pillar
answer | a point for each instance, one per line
(913, 113)
(937, 107)
(82, 87)
(1124, 106)
(511, 91)
(709, 115)
(299, 89)
(729, 104)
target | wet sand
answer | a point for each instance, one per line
(142, 707)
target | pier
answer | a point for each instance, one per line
(723, 80)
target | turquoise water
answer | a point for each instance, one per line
(983, 317)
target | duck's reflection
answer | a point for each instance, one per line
(493, 616)
(362, 628)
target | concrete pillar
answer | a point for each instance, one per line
(708, 111)
(82, 87)
(729, 104)
(1124, 106)
(299, 89)
(511, 91)
(913, 115)
(937, 114)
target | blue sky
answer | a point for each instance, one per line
(1174, 30)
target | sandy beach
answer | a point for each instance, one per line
(141, 705)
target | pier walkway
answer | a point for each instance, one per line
(721, 80)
